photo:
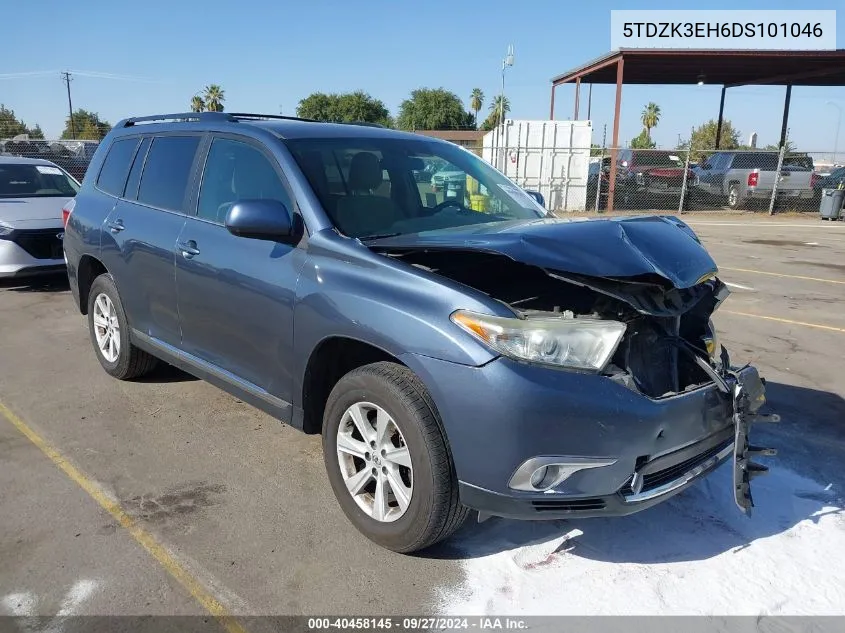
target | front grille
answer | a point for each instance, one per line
(40, 243)
(568, 505)
(661, 477)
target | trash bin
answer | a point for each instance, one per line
(831, 204)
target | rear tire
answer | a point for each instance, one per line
(109, 332)
(377, 393)
(735, 199)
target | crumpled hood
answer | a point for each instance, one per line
(607, 247)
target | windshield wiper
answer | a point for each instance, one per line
(377, 236)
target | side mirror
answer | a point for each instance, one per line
(538, 197)
(260, 220)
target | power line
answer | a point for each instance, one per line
(67, 78)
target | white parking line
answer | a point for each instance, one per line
(733, 285)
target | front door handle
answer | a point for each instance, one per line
(188, 249)
(116, 226)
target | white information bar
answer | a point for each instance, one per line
(744, 29)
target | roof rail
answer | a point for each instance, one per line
(364, 123)
(250, 115)
(183, 116)
(187, 117)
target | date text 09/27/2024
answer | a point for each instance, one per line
(416, 623)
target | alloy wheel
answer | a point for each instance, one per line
(106, 328)
(375, 462)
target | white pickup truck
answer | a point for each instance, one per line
(735, 177)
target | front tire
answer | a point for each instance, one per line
(110, 333)
(388, 461)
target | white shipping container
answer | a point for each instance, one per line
(551, 157)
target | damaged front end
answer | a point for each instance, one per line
(669, 346)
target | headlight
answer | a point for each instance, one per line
(545, 339)
(5, 230)
(711, 341)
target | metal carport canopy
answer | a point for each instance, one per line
(725, 67)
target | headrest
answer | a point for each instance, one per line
(365, 172)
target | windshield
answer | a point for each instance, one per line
(371, 186)
(35, 181)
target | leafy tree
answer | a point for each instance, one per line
(433, 109)
(86, 126)
(643, 141)
(650, 118)
(350, 107)
(11, 126)
(704, 139)
(476, 101)
(197, 104)
(213, 96)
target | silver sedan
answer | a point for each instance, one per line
(32, 195)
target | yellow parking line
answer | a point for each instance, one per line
(780, 320)
(144, 538)
(766, 272)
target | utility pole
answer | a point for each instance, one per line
(67, 78)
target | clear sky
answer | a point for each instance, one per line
(269, 54)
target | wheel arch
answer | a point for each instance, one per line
(88, 269)
(330, 360)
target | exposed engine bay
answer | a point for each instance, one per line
(669, 344)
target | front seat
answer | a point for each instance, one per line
(361, 212)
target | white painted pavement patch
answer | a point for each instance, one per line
(695, 554)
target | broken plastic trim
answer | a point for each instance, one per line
(748, 397)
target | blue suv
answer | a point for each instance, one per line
(456, 352)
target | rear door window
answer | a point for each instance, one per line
(167, 171)
(112, 176)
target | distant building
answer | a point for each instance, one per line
(470, 139)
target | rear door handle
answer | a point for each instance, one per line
(116, 226)
(189, 248)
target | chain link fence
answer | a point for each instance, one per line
(72, 156)
(676, 181)
(573, 179)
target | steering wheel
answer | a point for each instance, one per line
(448, 202)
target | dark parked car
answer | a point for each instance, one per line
(649, 178)
(501, 360)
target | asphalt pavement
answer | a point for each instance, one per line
(168, 496)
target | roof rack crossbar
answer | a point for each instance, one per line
(182, 116)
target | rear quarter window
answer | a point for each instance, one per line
(763, 162)
(167, 171)
(112, 178)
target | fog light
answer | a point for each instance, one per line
(546, 472)
(545, 477)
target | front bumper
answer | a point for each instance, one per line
(16, 262)
(505, 413)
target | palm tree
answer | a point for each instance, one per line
(500, 102)
(197, 104)
(476, 100)
(650, 117)
(214, 96)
